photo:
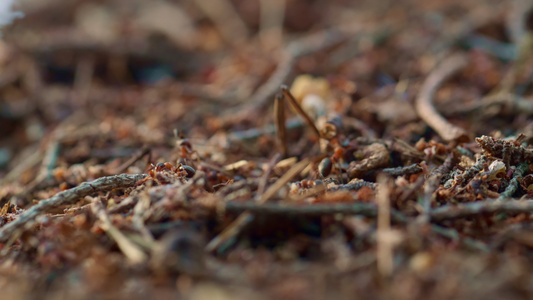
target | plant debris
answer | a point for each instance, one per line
(267, 150)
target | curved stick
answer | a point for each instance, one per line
(424, 102)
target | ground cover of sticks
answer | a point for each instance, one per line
(280, 150)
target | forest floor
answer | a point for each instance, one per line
(267, 149)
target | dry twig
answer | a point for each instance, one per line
(27, 163)
(454, 236)
(400, 171)
(385, 259)
(102, 184)
(424, 102)
(234, 228)
(143, 205)
(510, 151)
(464, 178)
(448, 212)
(274, 209)
(521, 169)
(271, 23)
(264, 179)
(354, 185)
(298, 48)
(137, 156)
(279, 118)
(130, 250)
(226, 18)
(297, 107)
(433, 182)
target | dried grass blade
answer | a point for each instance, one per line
(279, 117)
(130, 250)
(234, 228)
(294, 104)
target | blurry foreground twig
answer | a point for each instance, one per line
(102, 184)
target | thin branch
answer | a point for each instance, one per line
(264, 179)
(290, 174)
(71, 196)
(499, 102)
(124, 205)
(271, 23)
(502, 50)
(294, 104)
(464, 178)
(136, 157)
(448, 212)
(275, 209)
(226, 18)
(516, 18)
(279, 118)
(424, 102)
(254, 133)
(500, 148)
(453, 235)
(353, 185)
(234, 228)
(26, 163)
(304, 46)
(384, 251)
(521, 169)
(405, 170)
(432, 184)
(44, 177)
(130, 250)
(439, 214)
(143, 205)
(50, 158)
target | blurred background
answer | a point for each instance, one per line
(90, 88)
(111, 76)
